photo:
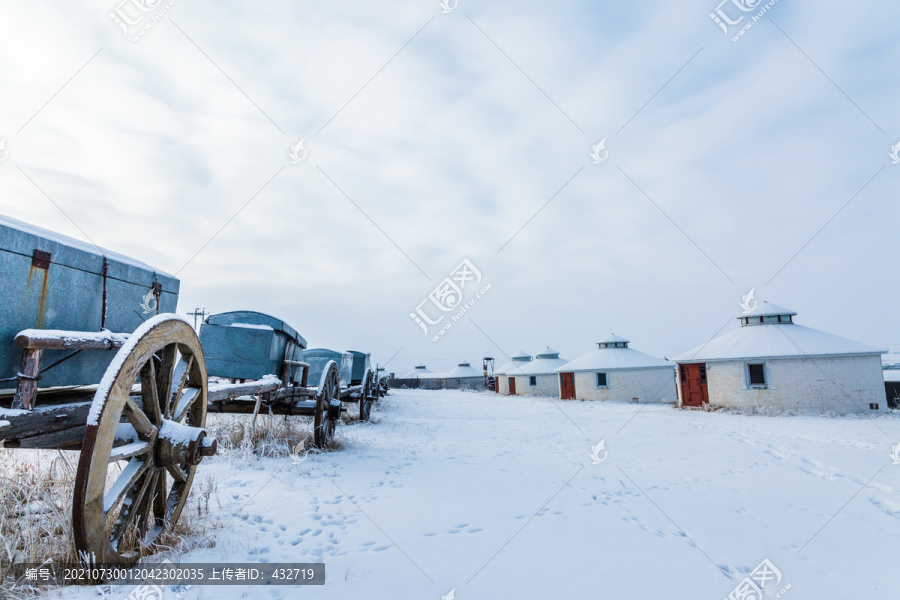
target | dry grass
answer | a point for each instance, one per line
(272, 436)
(37, 486)
(36, 489)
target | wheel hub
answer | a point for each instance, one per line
(178, 444)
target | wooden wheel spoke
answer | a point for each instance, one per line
(127, 451)
(160, 496)
(179, 379)
(149, 393)
(141, 422)
(130, 510)
(185, 402)
(177, 474)
(128, 479)
(144, 506)
(164, 377)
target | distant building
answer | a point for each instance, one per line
(420, 371)
(616, 372)
(504, 373)
(538, 377)
(771, 362)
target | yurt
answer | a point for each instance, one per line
(419, 371)
(538, 377)
(616, 372)
(772, 362)
(463, 376)
(506, 371)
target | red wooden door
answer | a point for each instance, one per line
(512, 386)
(567, 386)
(694, 391)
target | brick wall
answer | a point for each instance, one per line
(841, 384)
(647, 385)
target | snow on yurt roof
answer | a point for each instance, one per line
(774, 340)
(892, 374)
(766, 309)
(545, 363)
(464, 369)
(611, 358)
(517, 361)
(613, 339)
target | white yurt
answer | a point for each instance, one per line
(538, 377)
(771, 362)
(502, 374)
(616, 372)
(419, 371)
(463, 376)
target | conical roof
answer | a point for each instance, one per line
(513, 366)
(609, 358)
(545, 363)
(464, 369)
(419, 371)
(774, 340)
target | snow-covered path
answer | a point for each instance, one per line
(497, 497)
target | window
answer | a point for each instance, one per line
(703, 374)
(601, 380)
(532, 380)
(756, 375)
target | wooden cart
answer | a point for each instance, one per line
(248, 348)
(133, 402)
(92, 359)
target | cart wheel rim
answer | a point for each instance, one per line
(324, 424)
(164, 422)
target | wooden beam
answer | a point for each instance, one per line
(55, 339)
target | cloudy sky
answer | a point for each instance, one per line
(433, 137)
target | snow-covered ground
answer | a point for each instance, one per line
(497, 497)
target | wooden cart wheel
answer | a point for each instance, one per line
(325, 420)
(155, 433)
(365, 397)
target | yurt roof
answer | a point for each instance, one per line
(419, 371)
(464, 369)
(775, 340)
(540, 366)
(517, 361)
(611, 358)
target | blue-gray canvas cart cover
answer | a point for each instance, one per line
(318, 358)
(250, 345)
(51, 281)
